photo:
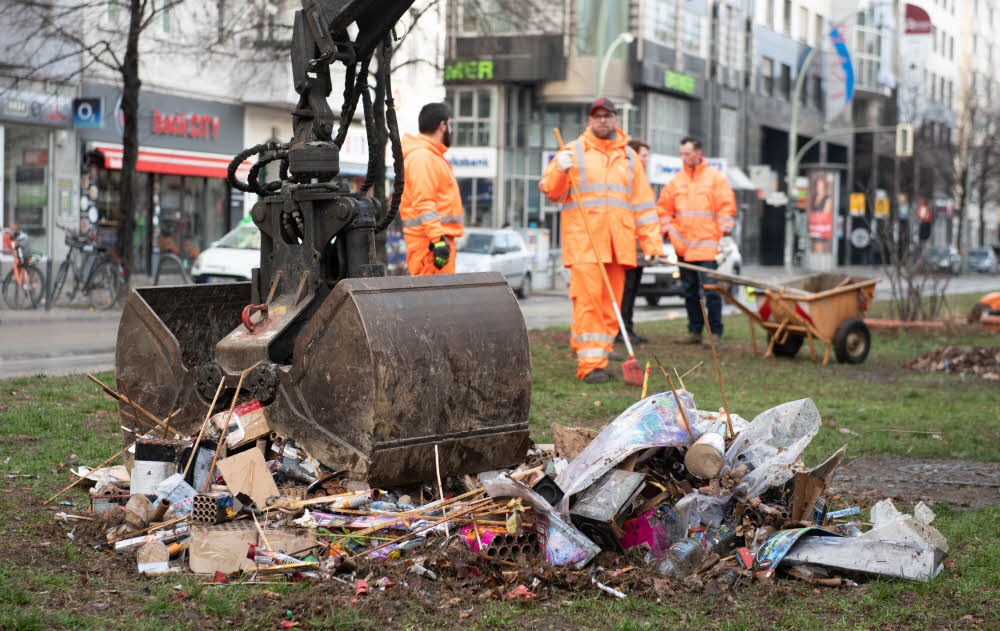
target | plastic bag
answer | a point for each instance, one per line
(697, 510)
(771, 445)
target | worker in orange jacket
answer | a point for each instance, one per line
(697, 209)
(431, 206)
(619, 205)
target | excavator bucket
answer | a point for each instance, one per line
(382, 371)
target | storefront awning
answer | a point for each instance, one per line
(173, 162)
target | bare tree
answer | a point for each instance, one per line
(60, 30)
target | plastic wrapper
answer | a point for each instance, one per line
(651, 422)
(892, 525)
(771, 445)
(564, 544)
(180, 493)
(697, 510)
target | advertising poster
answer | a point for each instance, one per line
(822, 206)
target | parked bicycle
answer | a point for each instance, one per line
(96, 275)
(24, 285)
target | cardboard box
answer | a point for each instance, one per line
(247, 423)
(223, 547)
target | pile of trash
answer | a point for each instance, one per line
(701, 500)
(981, 361)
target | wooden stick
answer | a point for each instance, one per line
(260, 531)
(696, 367)
(135, 412)
(149, 529)
(677, 398)
(680, 380)
(204, 424)
(77, 481)
(114, 393)
(437, 468)
(718, 371)
(411, 534)
(225, 426)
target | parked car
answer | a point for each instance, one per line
(944, 259)
(487, 250)
(664, 278)
(231, 258)
(983, 260)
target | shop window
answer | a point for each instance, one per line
(25, 178)
(669, 121)
(729, 129)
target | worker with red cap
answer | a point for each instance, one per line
(620, 206)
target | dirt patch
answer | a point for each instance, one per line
(956, 482)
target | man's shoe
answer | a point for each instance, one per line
(717, 341)
(616, 357)
(635, 338)
(598, 375)
(690, 338)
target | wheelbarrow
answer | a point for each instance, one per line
(826, 307)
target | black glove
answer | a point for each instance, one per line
(442, 252)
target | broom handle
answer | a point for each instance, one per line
(597, 257)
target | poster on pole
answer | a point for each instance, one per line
(823, 193)
(915, 45)
(839, 74)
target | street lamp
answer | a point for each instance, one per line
(623, 38)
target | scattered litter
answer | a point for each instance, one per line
(978, 361)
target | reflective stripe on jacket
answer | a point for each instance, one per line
(616, 196)
(431, 206)
(696, 207)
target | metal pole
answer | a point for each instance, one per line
(793, 163)
(623, 38)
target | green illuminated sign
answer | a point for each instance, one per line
(468, 70)
(678, 81)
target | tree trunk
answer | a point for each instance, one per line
(130, 137)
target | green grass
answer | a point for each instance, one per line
(45, 421)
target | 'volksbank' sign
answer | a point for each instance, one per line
(469, 162)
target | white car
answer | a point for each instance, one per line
(664, 277)
(487, 250)
(231, 258)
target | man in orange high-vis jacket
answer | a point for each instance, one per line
(619, 205)
(697, 209)
(431, 206)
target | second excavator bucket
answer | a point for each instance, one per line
(382, 371)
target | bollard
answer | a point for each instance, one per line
(48, 284)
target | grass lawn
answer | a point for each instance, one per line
(48, 581)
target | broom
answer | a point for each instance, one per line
(631, 370)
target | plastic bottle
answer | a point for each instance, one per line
(721, 540)
(852, 529)
(683, 558)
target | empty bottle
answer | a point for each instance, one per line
(683, 558)
(721, 540)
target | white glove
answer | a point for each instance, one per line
(564, 159)
(726, 243)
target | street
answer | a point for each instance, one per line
(73, 341)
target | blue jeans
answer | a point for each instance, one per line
(692, 282)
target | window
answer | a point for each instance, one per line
(598, 23)
(820, 30)
(472, 116)
(496, 16)
(669, 121)
(113, 11)
(769, 17)
(786, 82)
(166, 19)
(664, 22)
(951, 47)
(933, 87)
(729, 129)
(934, 38)
(767, 76)
(804, 24)
(786, 18)
(690, 33)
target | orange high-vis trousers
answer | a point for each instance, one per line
(594, 323)
(420, 258)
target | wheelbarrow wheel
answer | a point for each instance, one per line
(852, 341)
(788, 348)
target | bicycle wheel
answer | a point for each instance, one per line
(104, 286)
(25, 290)
(58, 298)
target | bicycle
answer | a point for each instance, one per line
(96, 274)
(24, 284)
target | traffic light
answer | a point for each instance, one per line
(904, 140)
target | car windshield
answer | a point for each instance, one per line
(242, 238)
(978, 254)
(939, 252)
(475, 243)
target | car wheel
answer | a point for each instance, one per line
(524, 291)
(852, 341)
(653, 300)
